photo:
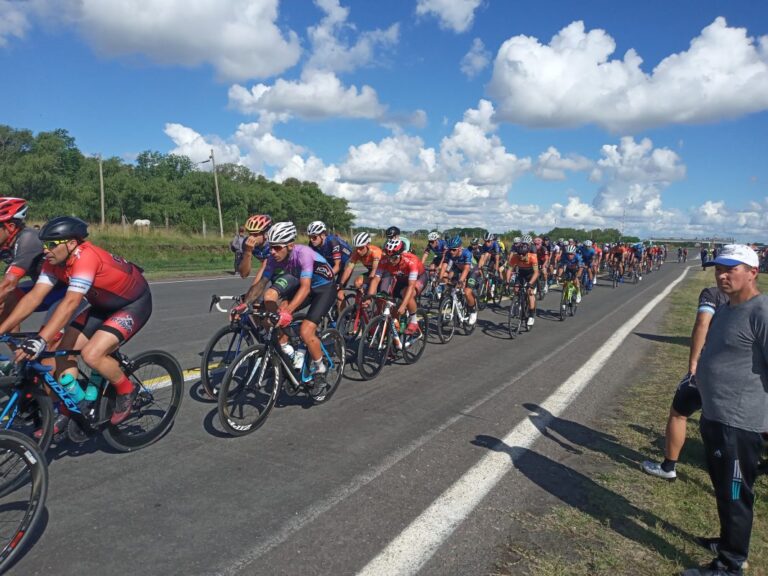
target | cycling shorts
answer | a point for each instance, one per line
(687, 400)
(399, 287)
(123, 323)
(569, 274)
(320, 299)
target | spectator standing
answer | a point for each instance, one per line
(703, 257)
(237, 246)
(687, 399)
(732, 374)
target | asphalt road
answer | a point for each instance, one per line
(324, 489)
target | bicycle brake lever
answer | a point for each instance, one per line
(214, 300)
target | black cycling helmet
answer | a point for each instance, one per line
(64, 228)
(393, 231)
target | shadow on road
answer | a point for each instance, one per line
(580, 492)
(679, 340)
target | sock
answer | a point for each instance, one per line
(668, 465)
(123, 386)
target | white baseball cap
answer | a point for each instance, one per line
(735, 254)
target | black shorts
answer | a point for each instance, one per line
(401, 285)
(687, 400)
(569, 274)
(123, 323)
(320, 299)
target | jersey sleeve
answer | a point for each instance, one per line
(28, 249)
(47, 275)
(708, 300)
(83, 272)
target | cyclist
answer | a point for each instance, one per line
(618, 255)
(393, 233)
(596, 261)
(571, 267)
(527, 271)
(120, 305)
(587, 253)
(542, 255)
(335, 251)
(405, 277)
(368, 255)
(300, 277)
(639, 253)
(255, 244)
(458, 265)
(474, 247)
(437, 247)
(490, 253)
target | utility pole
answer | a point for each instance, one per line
(218, 199)
(101, 189)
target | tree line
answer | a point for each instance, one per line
(56, 178)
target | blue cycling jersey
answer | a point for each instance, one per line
(261, 252)
(457, 264)
(587, 254)
(438, 250)
(333, 249)
(492, 248)
(571, 263)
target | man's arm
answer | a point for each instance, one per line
(26, 306)
(62, 315)
(698, 337)
(256, 289)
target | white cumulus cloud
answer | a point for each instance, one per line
(572, 81)
(456, 15)
(238, 38)
(14, 20)
(551, 165)
(476, 60)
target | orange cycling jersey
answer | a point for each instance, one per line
(108, 282)
(374, 253)
(409, 266)
(527, 262)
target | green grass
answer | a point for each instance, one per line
(626, 522)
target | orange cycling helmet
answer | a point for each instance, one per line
(258, 223)
(12, 209)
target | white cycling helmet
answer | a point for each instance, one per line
(362, 239)
(526, 239)
(432, 236)
(282, 233)
(488, 237)
(570, 249)
(588, 243)
(315, 228)
(516, 240)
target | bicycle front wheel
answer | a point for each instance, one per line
(446, 320)
(414, 345)
(221, 350)
(29, 409)
(374, 347)
(513, 319)
(160, 382)
(334, 356)
(248, 391)
(21, 463)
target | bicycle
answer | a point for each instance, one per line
(225, 345)
(432, 293)
(541, 286)
(253, 381)
(519, 311)
(383, 333)
(568, 299)
(354, 318)
(156, 374)
(453, 310)
(23, 490)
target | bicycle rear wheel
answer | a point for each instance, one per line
(482, 295)
(221, 350)
(160, 382)
(413, 346)
(374, 348)
(22, 465)
(350, 326)
(446, 320)
(334, 356)
(248, 391)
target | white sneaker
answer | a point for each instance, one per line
(531, 320)
(639, 278)
(546, 289)
(578, 297)
(472, 318)
(655, 469)
(594, 282)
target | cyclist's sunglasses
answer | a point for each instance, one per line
(51, 244)
(277, 247)
(314, 236)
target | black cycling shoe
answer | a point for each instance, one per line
(715, 568)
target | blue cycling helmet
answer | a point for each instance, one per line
(454, 242)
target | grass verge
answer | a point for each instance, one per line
(623, 521)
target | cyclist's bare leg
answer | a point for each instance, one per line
(308, 333)
(675, 435)
(96, 354)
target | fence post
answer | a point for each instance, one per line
(204, 231)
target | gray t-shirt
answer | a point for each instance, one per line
(732, 374)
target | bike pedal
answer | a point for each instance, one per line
(75, 433)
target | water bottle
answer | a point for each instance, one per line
(298, 357)
(288, 350)
(71, 385)
(94, 383)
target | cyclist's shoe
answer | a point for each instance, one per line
(594, 282)
(715, 568)
(59, 425)
(655, 469)
(639, 278)
(531, 320)
(472, 318)
(578, 297)
(546, 288)
(412, 329)
(123, 407)
(318, 368)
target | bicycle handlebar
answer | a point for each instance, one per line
(215, 299)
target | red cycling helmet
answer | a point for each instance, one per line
(12, 209)
(394, 247)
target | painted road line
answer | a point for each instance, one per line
(303, 518)
(415, 545)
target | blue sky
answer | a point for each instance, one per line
(500, 113)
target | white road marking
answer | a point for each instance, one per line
(155, 282)
(415, 545)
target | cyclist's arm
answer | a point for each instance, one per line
(374, 268)
(465, 272)
(62, 316)
(347, 273)
(244, 269)
(26, 306)
(8, 285)
(257, 288)
(424, 257)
